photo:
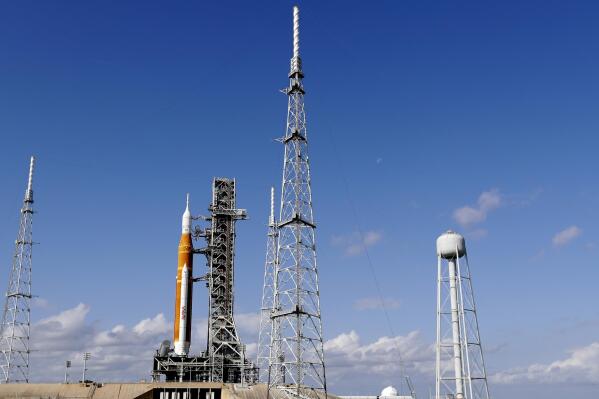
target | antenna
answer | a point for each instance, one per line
(16, 318)
(296, 364)
(296, 61)
(29, 192)
(296, 41)
(266, 310)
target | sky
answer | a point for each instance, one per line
(423, 116)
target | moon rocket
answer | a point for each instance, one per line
(183, 297)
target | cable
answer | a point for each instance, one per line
(371, 266)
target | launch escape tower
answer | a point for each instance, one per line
(224, 359)
(460, 365)
(14, 330)
(296, 358)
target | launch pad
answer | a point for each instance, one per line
(224, 360)
(200, 369)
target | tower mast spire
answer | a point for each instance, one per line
(16, 322)
(296, 351)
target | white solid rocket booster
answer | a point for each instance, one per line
(182, 346)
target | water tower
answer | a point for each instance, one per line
(460, 366)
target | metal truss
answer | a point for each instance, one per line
(181, 369)
(199, 368)
(224, 347)
(264, 337)
(16, 319)
(458, 338)
(297, 354)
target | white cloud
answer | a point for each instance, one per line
(348, 359)
(356, 243)
(156, 325)
(376, 303)
(471, 215)
(118, 353)
(489, 200)
(582, 366)
(566, 235)
(63, 330)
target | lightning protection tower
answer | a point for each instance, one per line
(460, 365)
(14, 330)
(297, 355)
(268, 292)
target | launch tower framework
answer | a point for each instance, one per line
(224, 359)
(225, 350)
(16, 318)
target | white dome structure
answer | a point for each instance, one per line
(389, 391)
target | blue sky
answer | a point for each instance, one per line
(415, 109)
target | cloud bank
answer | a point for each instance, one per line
(581, 366)
(119, 353)
(124, 353)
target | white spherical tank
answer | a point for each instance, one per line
(389, 391)
(450, 243)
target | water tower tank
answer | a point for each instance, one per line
(449, 244)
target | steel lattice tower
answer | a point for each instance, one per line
(14, 335)
(225, 351)
(297, 354)
(268, 293)
(460, 364)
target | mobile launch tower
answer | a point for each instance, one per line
(460, 365)
(224, 359)
(225, 350)
(296, 356)
(16, 322)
